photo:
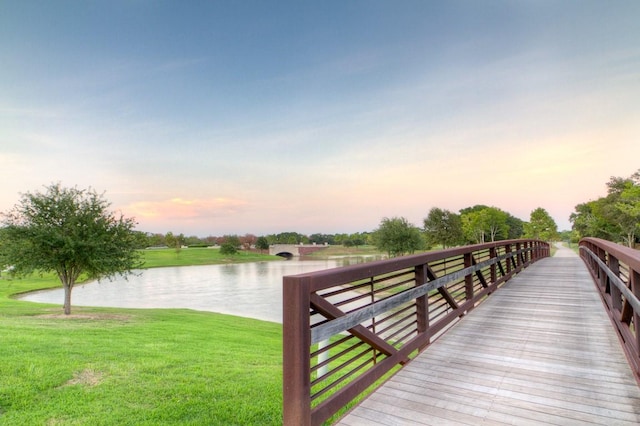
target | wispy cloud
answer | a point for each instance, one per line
(180, 208)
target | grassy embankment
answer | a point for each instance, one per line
(134, 366)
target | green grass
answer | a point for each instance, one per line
(198, 256)
(339, 250)
(108, 366)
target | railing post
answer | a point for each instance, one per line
(422, 303)
(468, 279)
(602, 276)
(634, 282)
(492, 255)
(296, 339)
(507, 249)
(616, 295)
(518, 256)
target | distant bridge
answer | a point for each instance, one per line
(293, 250)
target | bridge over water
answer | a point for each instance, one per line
(293, 250)
(522, 346)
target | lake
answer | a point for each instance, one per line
(251, 290)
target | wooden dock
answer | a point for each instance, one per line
(540, 351)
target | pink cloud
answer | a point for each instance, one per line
(185, 209)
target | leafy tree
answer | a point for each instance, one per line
(588, 220)
(624, 206)
(170, 240)
(397, 237)
(194, 241)
(142, 240)
(247, 241)
(541, 226)
(628, 209)
(70, 232)
(496, 223)
(358, 239)
(230, 244)
(476, 208)
(480, 223)
(211, 240)
(287, 238)
(516, 227)
(322, 238)
(473, 226)
(262, 243)
(615, 217)
(443, 227)
(353, 240)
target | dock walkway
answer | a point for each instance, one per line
(540, 351)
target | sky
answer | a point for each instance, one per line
(233, 117)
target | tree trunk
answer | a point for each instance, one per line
(67, 298)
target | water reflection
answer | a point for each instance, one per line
(251, 290)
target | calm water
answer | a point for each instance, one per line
(251, 290)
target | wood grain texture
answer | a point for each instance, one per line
(540, 351)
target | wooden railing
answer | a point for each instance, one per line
(346, 328)
(616, 272)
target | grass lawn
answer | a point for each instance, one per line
(198, 256)
(338, 250)
(107, 366)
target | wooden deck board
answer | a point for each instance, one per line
(540, 350)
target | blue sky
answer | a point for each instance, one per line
(211, 118)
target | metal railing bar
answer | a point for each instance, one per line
(341, 379)
(339, 355)
(361, 315)
(630, 297)
(333, 345)
(340, 367)
(359, 330)
(398, 312)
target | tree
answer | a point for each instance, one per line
(247, 241)
(71, 232)
(473, 226)
(516, 227)
(615, 217)
(624, 206)
(397, 237)
(262, 244)
(588, 220)
(174, 241)
(443, 227)
(287, 238)
(628, 217)
(496, 223)
(480, 222)
(541, 226)
(322, 238)
(230, 244)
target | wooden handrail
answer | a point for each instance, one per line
(344, 329)
(616, 272)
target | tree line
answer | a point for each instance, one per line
(247, 241)
(396, 236)
(613, 217)
(471, 225)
